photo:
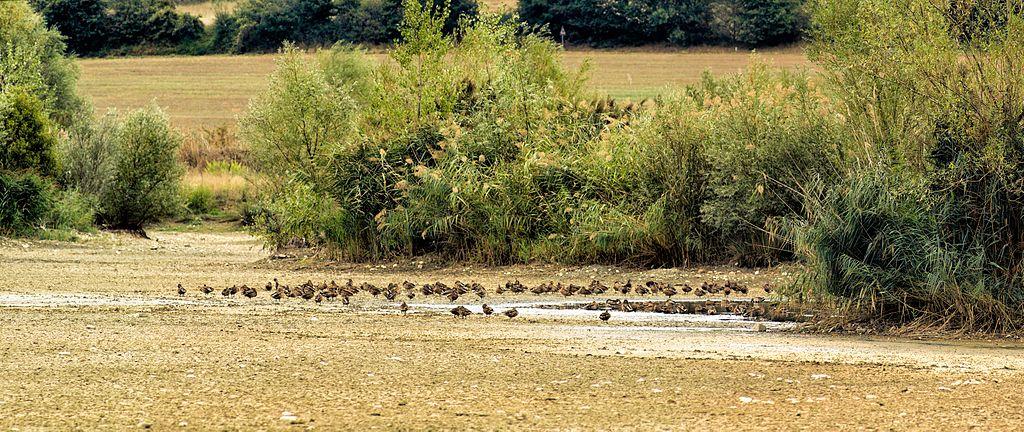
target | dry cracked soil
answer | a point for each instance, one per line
(94, 337)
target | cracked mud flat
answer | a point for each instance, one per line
(92, 337)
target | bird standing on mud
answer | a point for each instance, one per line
(461, 312)
(487, 309)
(512, 313)
(248, 292)
(404, 308)
(181, 291)
(605, 316)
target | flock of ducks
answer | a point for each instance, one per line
(332, 291)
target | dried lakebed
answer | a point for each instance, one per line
(92, 336)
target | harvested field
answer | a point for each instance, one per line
(211, 91)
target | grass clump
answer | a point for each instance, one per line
(925, 225)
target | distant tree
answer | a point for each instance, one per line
(135, 22)
(264, 25)
(759, 22)
(680, 22)
(92, 27)
(84, 23)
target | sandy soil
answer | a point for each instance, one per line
(92, 336)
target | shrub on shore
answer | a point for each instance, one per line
(486, 148)
(926, 224)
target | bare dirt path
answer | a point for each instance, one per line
(92, 336)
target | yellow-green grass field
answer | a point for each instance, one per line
(211, 91)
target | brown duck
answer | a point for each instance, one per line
(512, 313)
(487, 309)
(248, 291)
(181, 291)
(461, 311)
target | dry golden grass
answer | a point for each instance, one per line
(211, 91)
(223, 191)
(228, 185)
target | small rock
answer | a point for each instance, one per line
(90, 327)
(746, 400)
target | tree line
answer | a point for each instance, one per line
(112, 27)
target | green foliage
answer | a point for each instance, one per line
(759, 22)
(486, 148)
(265, 25)
(199, 200)
(146, 171)
(73, 210)
(300, 119)
(680, 22)
(26, 135)
(156, 22)
(770, 134)
(297, 214)
(84, 23)
(32, 60)
(25, 200)
(926, 93)
(95, 27)
(88, 156)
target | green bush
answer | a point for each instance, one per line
(299, 120)
(146, 171)
(32, 60)
(25, 201)
(157, 22)
(199, 200)
(26, 136)
(88, 155)
(73, 210)
(621, 22)
(770, 133)
(941, 240)
(299, 215)
(486, 148)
